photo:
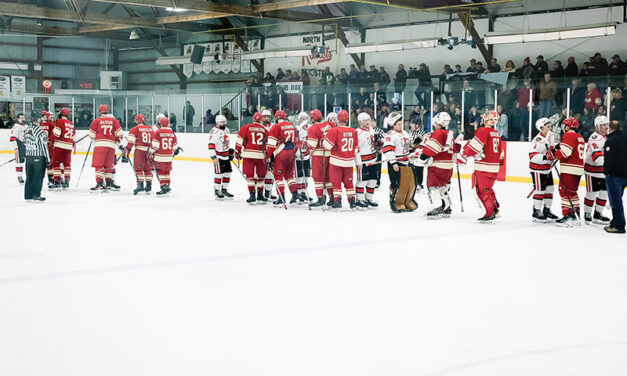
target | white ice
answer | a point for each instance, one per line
(114, 284)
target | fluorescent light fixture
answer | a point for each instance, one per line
(178, 10)
(278, 53)
(540, 35)
(398, 45)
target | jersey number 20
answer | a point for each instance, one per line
(347, 144)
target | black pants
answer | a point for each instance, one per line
(35, 173)
(418, 173)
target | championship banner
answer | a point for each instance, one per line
(237, 60)
(207, 66)
(188, 68)
(5, 86)
(18, 86)
(216, 48)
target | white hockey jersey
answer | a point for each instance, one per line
(367, 152)
(396, 147)
(593, 161)
(539, 149)
(17, 134)
(304, 152)
(219, 143)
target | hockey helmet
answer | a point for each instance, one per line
(316, 115)
(103, 109)
(140, 119)
(490, 118)
(303, 115)
(600, 120)
(571, 122)
(164, 122)
(540, 123)
(266, 113)
(280, 114)
(342, 116)
(159, 116)
(64, 112)
(443, 119)
(257, 117)
(363, 116)
(393, 118)
(331, 116)
(221, 119)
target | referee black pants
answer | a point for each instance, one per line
(35, 173)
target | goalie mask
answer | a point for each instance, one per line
(490, 118)
(443, 119)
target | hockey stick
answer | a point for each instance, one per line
(534, 188)
(7, 162)
(459, 183)
(302, 165)
(81, 139)
(276, 186)
(78, 181)
(427, 185)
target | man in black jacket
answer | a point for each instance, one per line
(615, 170)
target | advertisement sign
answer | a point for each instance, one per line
(5, 86)
(18, 86)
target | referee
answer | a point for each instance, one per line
(37, 157)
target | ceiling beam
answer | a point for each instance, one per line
(341, 35)
(160, 21)
(466, 20)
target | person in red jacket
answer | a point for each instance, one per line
(63, 139)
(48, 125)
(164, 148)
(140, 136)
(249, 146)
(343, 145)
(281, 139)
(106, 132)
(488, 153)
(570, 153)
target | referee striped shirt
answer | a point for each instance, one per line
(36, 142)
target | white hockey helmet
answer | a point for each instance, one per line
(540, 123)
(303, 115)
(332, 116)
(363, 116)
(266, 113)
(443, 119)
(159, 117)
(393, 118)
(221, 119)
(600, 120)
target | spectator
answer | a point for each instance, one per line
(617, 106)
(360, 99)
(571, 69)
(470, 98)
(456, 116)
(558, 76)
(503, 122)
(396, 105)
(364, 77)
(379, 94)
(342, 78)
(228, 114)
(424, 87)
(446, 69)
(472, 122)
(458, 69)
(510, 67)
(414, 116)
(615, 170)
(280, 75)
(370, 102)
(541, 67)
(353, 76)
(524, 93)
(384, 79)
(600, 65)
(400, 80)
(327, 77)
(586, 72)
(546, 94)
(173, 122)
(593, 97)
(472, 68)
(526, 70)
(188, 114)
(373, 75)
(428, 116)
(479, 67)
(385, 111)
(494, 66)
(617, 70)
(209, 119)
(516, 123)
(577, 97)
(294, 76)
(587, 123)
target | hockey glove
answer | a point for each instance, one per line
(461, 160)
(124, 158)
(177, 151)
(231, 154)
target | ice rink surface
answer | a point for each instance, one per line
(114, 284)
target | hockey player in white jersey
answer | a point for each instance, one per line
(396, 153)
(17, 141)
(540, 163)
(596, 193)
(221, 154)
(303, 157)
(366, 171)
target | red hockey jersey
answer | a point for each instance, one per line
(343, 144)
(315, 137)
(280, 134)
(164, 144)
(47, 126)
(487, 145)
(251, 138)
(437, 147)
(64, 134)
(571, 153)
(140, 136)
(105, 130)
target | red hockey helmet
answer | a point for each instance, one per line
(316, 115)
(257, 117)
(342, 116)
(64, 112)
(140, 119)
(280, 114)
(490, 118)
(103, 109)
(571, 122)
(164, 122)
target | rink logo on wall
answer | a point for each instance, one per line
(316, 40)
(229, 58)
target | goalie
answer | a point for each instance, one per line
(396, 153)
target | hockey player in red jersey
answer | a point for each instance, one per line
(106, 132)
(540, 163)
(164, 147)
(221, 154)
(249, 146)
(319, 157)
(63, 138)
(48, 125)
(342, 144)
(266, 122)
(570, 153)
(140, 136)
(438, 157)
(487, 151)
(280, 148)
(596, 191)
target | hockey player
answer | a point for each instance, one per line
(303, 155)
(593, 169)
(366, 171)
(140, 136)
(221, 155)
(343, 145)
(63, 138)
(540, 164)
(266, 121)
(250, 146)
(396, 153)
(157, 125)
(106, 133)
(570, 153)
(319, 157)
(280, 155)
(164, 147)
(437, 155)
(47, 125)
(17, 141)
(488, 153)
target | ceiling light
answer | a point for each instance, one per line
(541, 35)
(133, 35)
(178, 10)
(390, 46)
(278, 53)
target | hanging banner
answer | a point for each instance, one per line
(188, 68)
(207, 66)
(18, 86)
(5, 86)
(236, 63)
(216, 48)
(198, 68)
